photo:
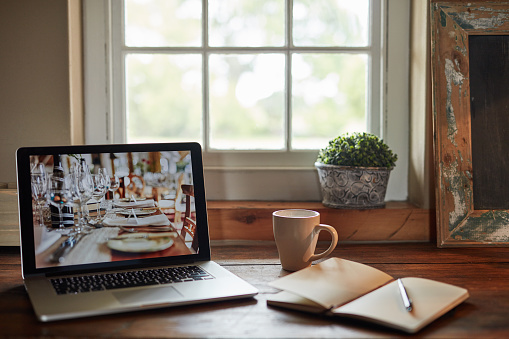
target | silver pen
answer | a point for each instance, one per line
(406, 300)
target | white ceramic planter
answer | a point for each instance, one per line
(353, 187)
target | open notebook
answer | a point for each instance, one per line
(145, 246)
(340, 287)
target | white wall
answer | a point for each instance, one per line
(34, 78)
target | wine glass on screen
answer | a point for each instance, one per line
(86, 193)
(39, 185)
(84, 175)
(59, 194)
(100, 189)
(75, 193)
(104, 172)
(83, 186)
(114, 185)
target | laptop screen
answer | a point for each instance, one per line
(90, 207)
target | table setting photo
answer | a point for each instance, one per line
(108, 207)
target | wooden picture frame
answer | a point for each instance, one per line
(464, 216)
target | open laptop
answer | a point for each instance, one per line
(137, 256)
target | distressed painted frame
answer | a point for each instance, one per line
(458, 223)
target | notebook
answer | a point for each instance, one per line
(140, 241)
(348, 289)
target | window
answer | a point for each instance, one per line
(262, 85)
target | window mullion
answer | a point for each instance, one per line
(375, 64)
(288, 73)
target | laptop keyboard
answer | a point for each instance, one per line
(107, 281)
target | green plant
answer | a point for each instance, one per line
(357, 149)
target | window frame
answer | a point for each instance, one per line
(256, 175)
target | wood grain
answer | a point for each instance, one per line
(458, 222)
(483, 271)
(252, 220)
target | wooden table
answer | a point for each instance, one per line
(483, 271)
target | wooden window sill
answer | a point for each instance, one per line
(252, 220)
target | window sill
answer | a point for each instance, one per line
(252, 220)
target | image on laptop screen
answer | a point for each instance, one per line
(108, 207)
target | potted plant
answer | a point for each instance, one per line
(354, 171)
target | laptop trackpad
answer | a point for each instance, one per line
(147, 296)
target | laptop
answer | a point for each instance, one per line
(143, 244)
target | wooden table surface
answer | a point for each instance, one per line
(483, 271)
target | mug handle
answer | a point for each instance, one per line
(332, 231)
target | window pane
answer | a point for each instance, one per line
(159, 23)
(328, 97)
(164, 97)
(331, 22)
(247, 101)
(246, 23)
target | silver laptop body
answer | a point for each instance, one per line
(72, 269)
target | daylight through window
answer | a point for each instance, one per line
(248, 75)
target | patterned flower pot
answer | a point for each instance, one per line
(353, 187)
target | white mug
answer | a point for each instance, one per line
(296, 233)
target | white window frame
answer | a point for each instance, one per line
(257, 175)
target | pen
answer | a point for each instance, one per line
(406, 300)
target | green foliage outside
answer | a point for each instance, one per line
(340, 111)
(358, 149)
(164, 98)
(164, 90)
(245, 124)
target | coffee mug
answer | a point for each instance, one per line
(296, 233)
